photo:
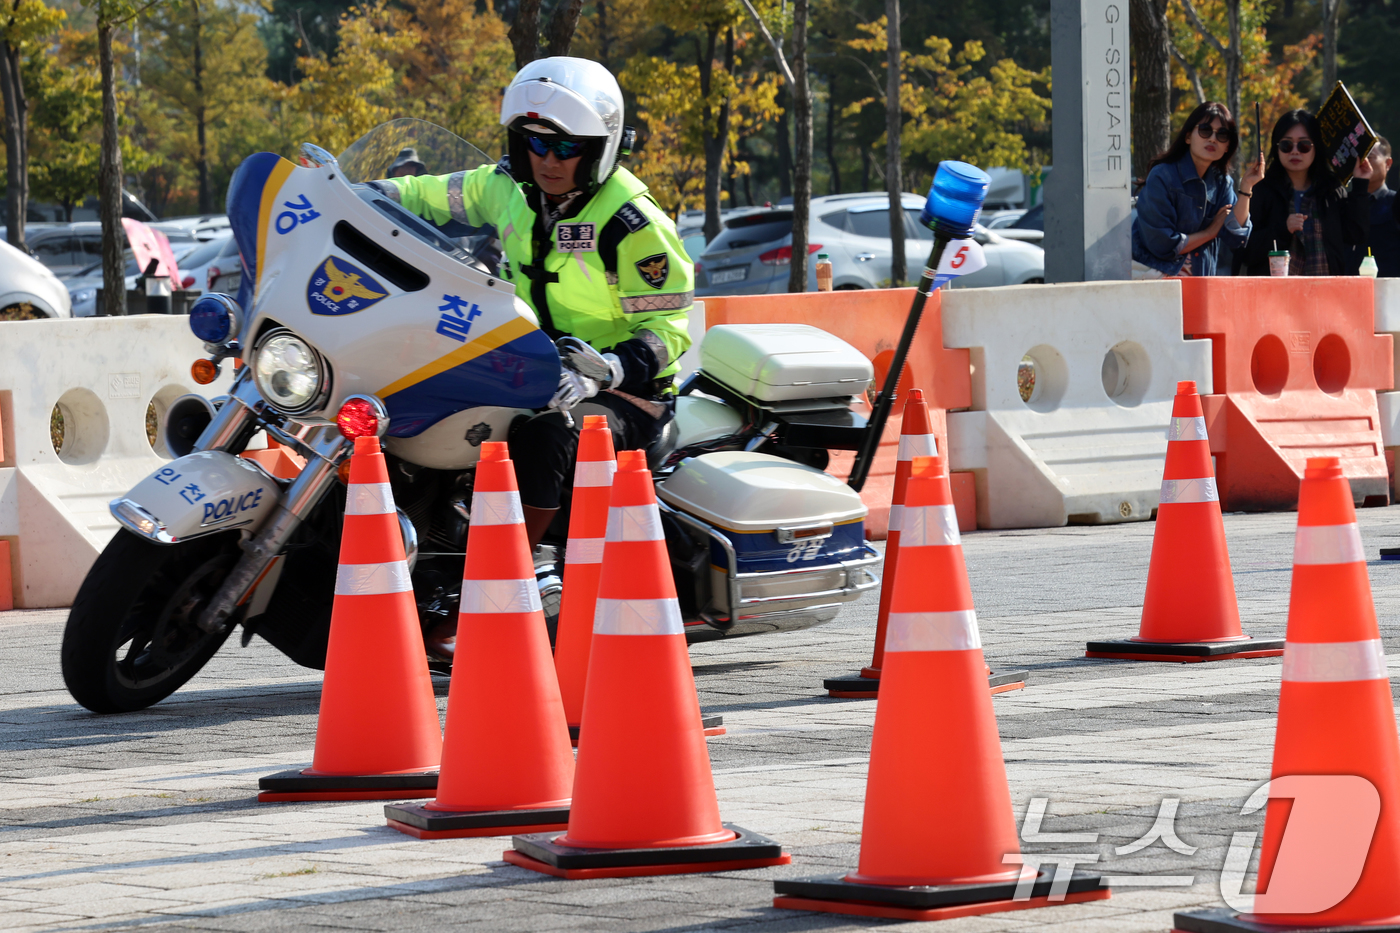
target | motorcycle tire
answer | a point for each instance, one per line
(131, 638)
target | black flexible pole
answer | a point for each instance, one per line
(881, 412)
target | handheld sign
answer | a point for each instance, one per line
(1346, 136)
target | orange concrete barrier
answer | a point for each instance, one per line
(871, 321)
(1296, 367)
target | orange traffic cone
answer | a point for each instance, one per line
(916, 439)
(644, 799)
(583, 559)
(378, 736)
(939, 838)
(1335, 720)
(1189, 612)
(506, 762)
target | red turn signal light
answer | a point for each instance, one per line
(204, 371)
(357, 418)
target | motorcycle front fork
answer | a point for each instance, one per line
(324, 449)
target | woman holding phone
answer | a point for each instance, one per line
(1188, 207)
(1300, 206)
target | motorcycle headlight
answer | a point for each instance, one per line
(288, 372)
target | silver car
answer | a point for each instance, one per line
(752, 254)
(28, 289)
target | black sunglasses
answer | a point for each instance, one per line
(1304, 145)
(563, 148)
(1223, 134)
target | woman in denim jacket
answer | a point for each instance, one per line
(1188, 206)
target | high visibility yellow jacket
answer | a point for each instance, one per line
(614, 275)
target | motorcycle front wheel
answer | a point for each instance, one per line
(132, 637)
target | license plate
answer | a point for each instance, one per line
(736, 274)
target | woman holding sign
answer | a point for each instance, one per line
(1188, 207)
(1300, 206)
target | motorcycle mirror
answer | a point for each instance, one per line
(583, 359)
(313, 156)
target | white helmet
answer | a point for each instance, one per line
(569, 96)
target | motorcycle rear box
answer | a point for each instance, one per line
(782, 362)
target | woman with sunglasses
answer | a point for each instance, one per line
(1300, 206)
(1188, 208)
(590, 252)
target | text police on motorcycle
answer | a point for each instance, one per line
(592, 254)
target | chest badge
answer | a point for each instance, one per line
(575, 238)
(655, 269)
(339, 287)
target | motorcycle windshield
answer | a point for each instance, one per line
(408, 147)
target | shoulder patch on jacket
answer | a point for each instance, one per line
(654, 269)
(632, 218)
(503, 166)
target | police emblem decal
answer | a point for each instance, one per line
(654, 269)
(340, 287)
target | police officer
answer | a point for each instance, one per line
(594, 257)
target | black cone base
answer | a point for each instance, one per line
(1126, 649)
(297, 785)
(712, 723)
(539, 852)
(448, 824)
(868, 688)
(835, 894)
(1225, 920)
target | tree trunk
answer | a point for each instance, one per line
(1152, 104)
(835, 186)
(1330, 9)
(802, 169)
(109, 182)
(200, 121)
(864, 168)
(524, 33)
(784, 140)
(562, 26)
(714, 143)
(1233, 61)
(604, 37)
(894, 178)
(16, 145)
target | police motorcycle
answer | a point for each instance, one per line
(356, 317)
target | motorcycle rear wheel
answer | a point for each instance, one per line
(132, 638)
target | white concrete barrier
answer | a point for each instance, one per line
(1388, 322)
(1089, 443)
(102, 374)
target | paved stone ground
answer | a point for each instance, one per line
(149, 820)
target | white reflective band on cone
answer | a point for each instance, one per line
(917, 445)
(634, 523)
(932, 631)
(584, 551)
(638, 617)
(369, 499)
(928, 525)
(1333, 661)
(372, 579)
(496, 508)
(1327, 544)
(499, 596)
(1189, 490)
(896, 511)
(594, 472)
(1187, 429)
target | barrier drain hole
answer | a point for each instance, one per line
(1268, 366)
(1126, 373)
(78, 427)
(1025, 378)
(1332, 364)
(152, 422)
(1125, 509)
(56, 429)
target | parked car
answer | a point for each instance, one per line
(1029, 227)
(67, 249)
(752, 253)
(203, 227)
(28, 289)
(995, 220)
(213, 257)
(82, 288)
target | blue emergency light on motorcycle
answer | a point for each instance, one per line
(955, 198)
(215, 318)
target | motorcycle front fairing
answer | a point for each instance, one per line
(396, 309)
